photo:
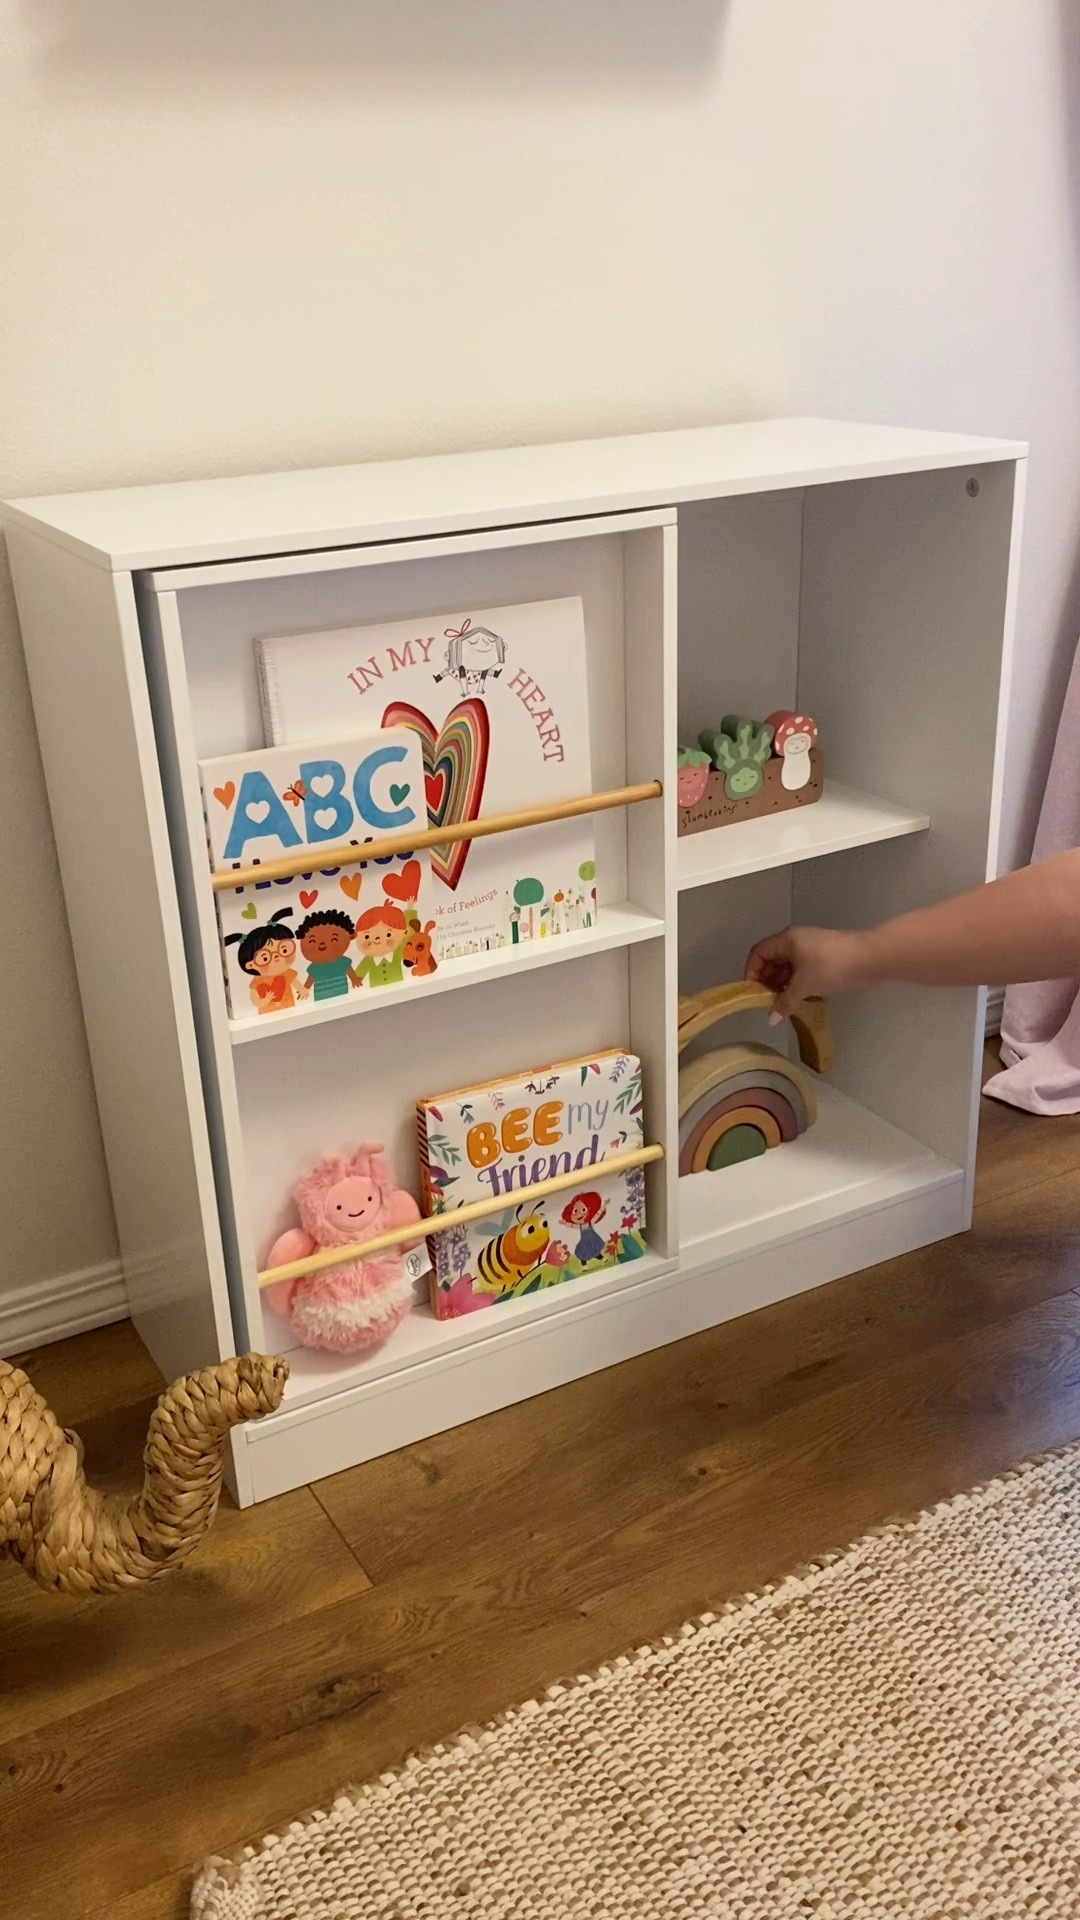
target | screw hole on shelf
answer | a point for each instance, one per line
(973, 488)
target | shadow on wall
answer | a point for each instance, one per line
(1069, 18)
(380, 41)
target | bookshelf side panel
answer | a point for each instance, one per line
(905, 613)
(81, 635)
(650, 598)
(163, 653)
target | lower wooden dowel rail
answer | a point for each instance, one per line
(457, 1216)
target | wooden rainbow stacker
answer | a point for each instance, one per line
(739, 1100)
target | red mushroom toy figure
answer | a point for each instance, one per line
(793, 736)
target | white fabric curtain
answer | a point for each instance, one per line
(1040, 1023)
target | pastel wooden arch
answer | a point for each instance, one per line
(749, 1120)
(766, 1112)
(743, 1084)
(698, 1012)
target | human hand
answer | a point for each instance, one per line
(800, 962)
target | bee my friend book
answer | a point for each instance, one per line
(329, 931)
(491, 1141)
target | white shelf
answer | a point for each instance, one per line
(842, 818)
(852, 1162)
(192, 521)
(620, 925)
(421, 1337)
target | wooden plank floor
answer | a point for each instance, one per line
(317, 1639)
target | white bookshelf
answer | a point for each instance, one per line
(864, 574)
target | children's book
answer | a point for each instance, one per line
(498, 699)
(329, 931)
(491, 1141)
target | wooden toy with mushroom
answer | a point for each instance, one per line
(744, 769)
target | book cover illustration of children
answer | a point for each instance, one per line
(499, 702)
(329, 931)
(382, 936)
(498, 1139)
(324, 940)
(581, 1215)
(267, 955)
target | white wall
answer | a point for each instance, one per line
(240, 235)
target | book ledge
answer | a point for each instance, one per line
(451, 1217)
(342, 856)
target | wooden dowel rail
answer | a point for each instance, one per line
(456, 1217)
(317, 860)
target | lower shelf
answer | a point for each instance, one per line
(422, 1337)
(456, 1371)
(852, 1163)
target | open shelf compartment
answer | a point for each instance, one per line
(850, 1163)
(378, 1067)
(486, 1015)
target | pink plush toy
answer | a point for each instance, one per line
(348, 1197)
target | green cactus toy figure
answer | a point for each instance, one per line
(738, 749)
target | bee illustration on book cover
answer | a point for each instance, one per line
(499, 1140)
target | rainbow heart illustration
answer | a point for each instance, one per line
(227, 794)
(308, 899)
(250, 912)
(455, 768)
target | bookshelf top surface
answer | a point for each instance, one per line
(187, 522)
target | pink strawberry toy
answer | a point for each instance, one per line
(345, 1309)
(691, 776)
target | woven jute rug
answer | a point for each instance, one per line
(893, 1734)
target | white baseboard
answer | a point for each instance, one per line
(995, 1000)
(40, 1311)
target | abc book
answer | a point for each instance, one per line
(330, 931)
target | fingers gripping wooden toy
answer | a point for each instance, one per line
(737, 1101)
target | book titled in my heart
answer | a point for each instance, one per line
(497, 698)
(332, 930)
